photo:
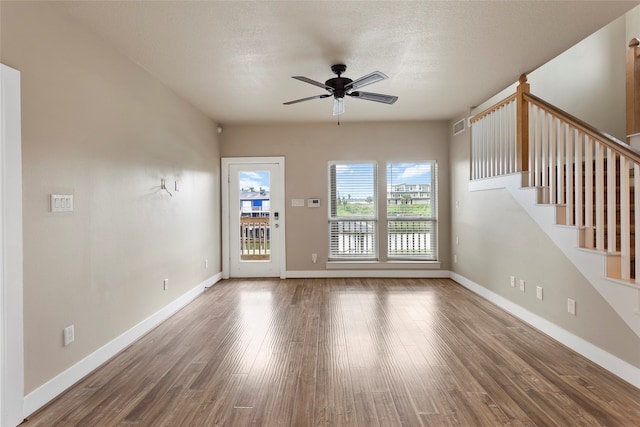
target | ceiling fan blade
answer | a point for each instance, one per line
(370, 78)
(378, 97)
(325, 95)
(313, 82)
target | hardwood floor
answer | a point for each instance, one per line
(332, 352)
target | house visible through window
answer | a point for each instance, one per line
(411, 210)
(352, 210)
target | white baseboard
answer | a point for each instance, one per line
(48, 391)
(608, 361)
(325, 274)
(212, 280)
(592, 264)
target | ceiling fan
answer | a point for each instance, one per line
(340, 86)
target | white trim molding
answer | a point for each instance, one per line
(608, 361)
(11, 275)
(377, 265)
(401, 274)
(48, 391)
(225, 164)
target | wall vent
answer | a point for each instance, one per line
(458, 127)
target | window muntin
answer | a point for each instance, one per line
(352, 210)
(411, 210)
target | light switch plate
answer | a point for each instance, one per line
(62, 203)
(69, 335)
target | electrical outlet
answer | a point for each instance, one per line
(457, 240)
(206, 263)
(314, 258)
(522, 285)
(69, 335)
(513, 281)
(539, 292)
(166, 284)
(455, 259)
(571, 306)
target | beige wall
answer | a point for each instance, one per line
(498, 240)
(308, 148)
(632, 24)
(97, 126)
(587, 80)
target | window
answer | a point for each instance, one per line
(411, 210)
(352, 210)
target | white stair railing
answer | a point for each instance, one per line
(592, 177)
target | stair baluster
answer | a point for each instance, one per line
(589, 175)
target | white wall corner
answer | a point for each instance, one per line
(57, 385)
(11, 250)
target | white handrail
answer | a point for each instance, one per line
(594, 177)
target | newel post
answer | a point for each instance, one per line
(522, 127)
(633, 88)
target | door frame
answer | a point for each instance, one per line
(279, 182)
(11, 257)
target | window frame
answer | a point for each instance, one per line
(335, 220)
(432, 219)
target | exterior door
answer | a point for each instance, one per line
(255, 214)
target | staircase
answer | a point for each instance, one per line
(577, 183)
(588, 233)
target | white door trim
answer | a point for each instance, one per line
(11, 329)
(226, 162)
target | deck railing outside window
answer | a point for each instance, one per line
(411, 238)
(353, 239)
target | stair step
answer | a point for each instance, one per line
(609, 180)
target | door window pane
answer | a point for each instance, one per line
(255, 226)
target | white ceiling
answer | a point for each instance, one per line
(234, 60)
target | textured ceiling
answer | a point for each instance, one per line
(234, 60)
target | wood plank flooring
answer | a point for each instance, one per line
(344, 352)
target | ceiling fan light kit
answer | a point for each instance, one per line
(338, 106)
(339, 87)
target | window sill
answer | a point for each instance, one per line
(377, 265)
